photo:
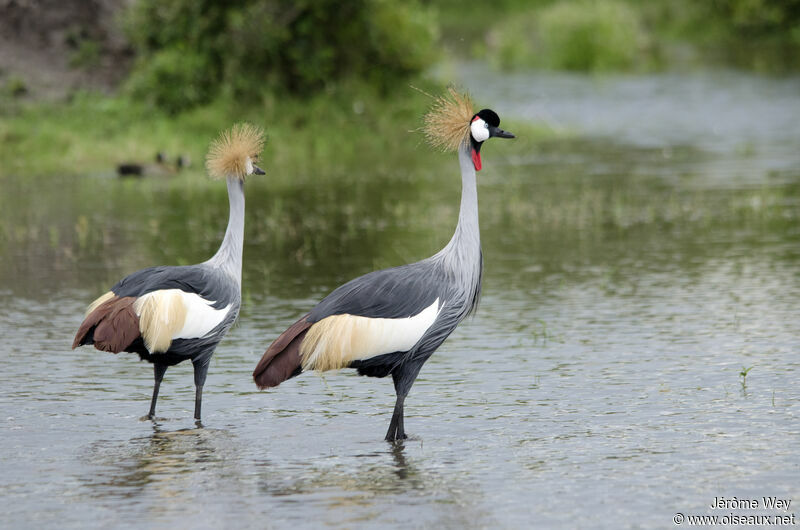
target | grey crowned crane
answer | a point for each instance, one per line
(171, 314)
(391, 321)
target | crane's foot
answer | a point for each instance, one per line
(397, 429)
(396, 432)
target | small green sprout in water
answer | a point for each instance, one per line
(539, 331)
(743, 375)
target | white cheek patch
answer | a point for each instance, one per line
(248, 166)
(479, 130)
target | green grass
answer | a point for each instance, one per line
(588, 35)
(624, 35)
(333, 135)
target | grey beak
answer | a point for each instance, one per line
(500, 133)
(257, 170)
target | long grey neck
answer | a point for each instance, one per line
(464, 249)
(229, 256)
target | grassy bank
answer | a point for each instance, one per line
(625, 35)
(340, 132)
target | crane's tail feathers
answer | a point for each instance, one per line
(282, 360)
(111, 326)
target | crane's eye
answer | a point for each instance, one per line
(486, 125)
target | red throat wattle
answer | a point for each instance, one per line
(476, 160)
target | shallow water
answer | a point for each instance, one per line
(627, 284)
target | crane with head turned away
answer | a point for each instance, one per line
(171, 314)
(389, 322)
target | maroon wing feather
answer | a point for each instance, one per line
(282, 359)
(111, 327)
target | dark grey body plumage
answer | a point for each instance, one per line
(211, 284)
(402, 292)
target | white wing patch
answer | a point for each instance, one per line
(336, 341)
(170, 314)
(201, 318)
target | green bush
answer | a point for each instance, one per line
(173, 79)
(245, 47)
(758, 34)
(588, 35)
(757, 18)
(15, 87)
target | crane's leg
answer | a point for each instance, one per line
(403, 378)
(200, 373)
(396, 430)
(158, 372)
(198, 402)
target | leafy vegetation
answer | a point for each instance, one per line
(588, 35)
(14, 87)
(763, 35)
(326, 134)
(332, 77)
(189, 52)
(86, 52)
(627, 35)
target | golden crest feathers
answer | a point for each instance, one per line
(446, 125)
(227, 156)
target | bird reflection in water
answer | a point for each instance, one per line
(366, 487)
(158, 464)
(358, 477)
